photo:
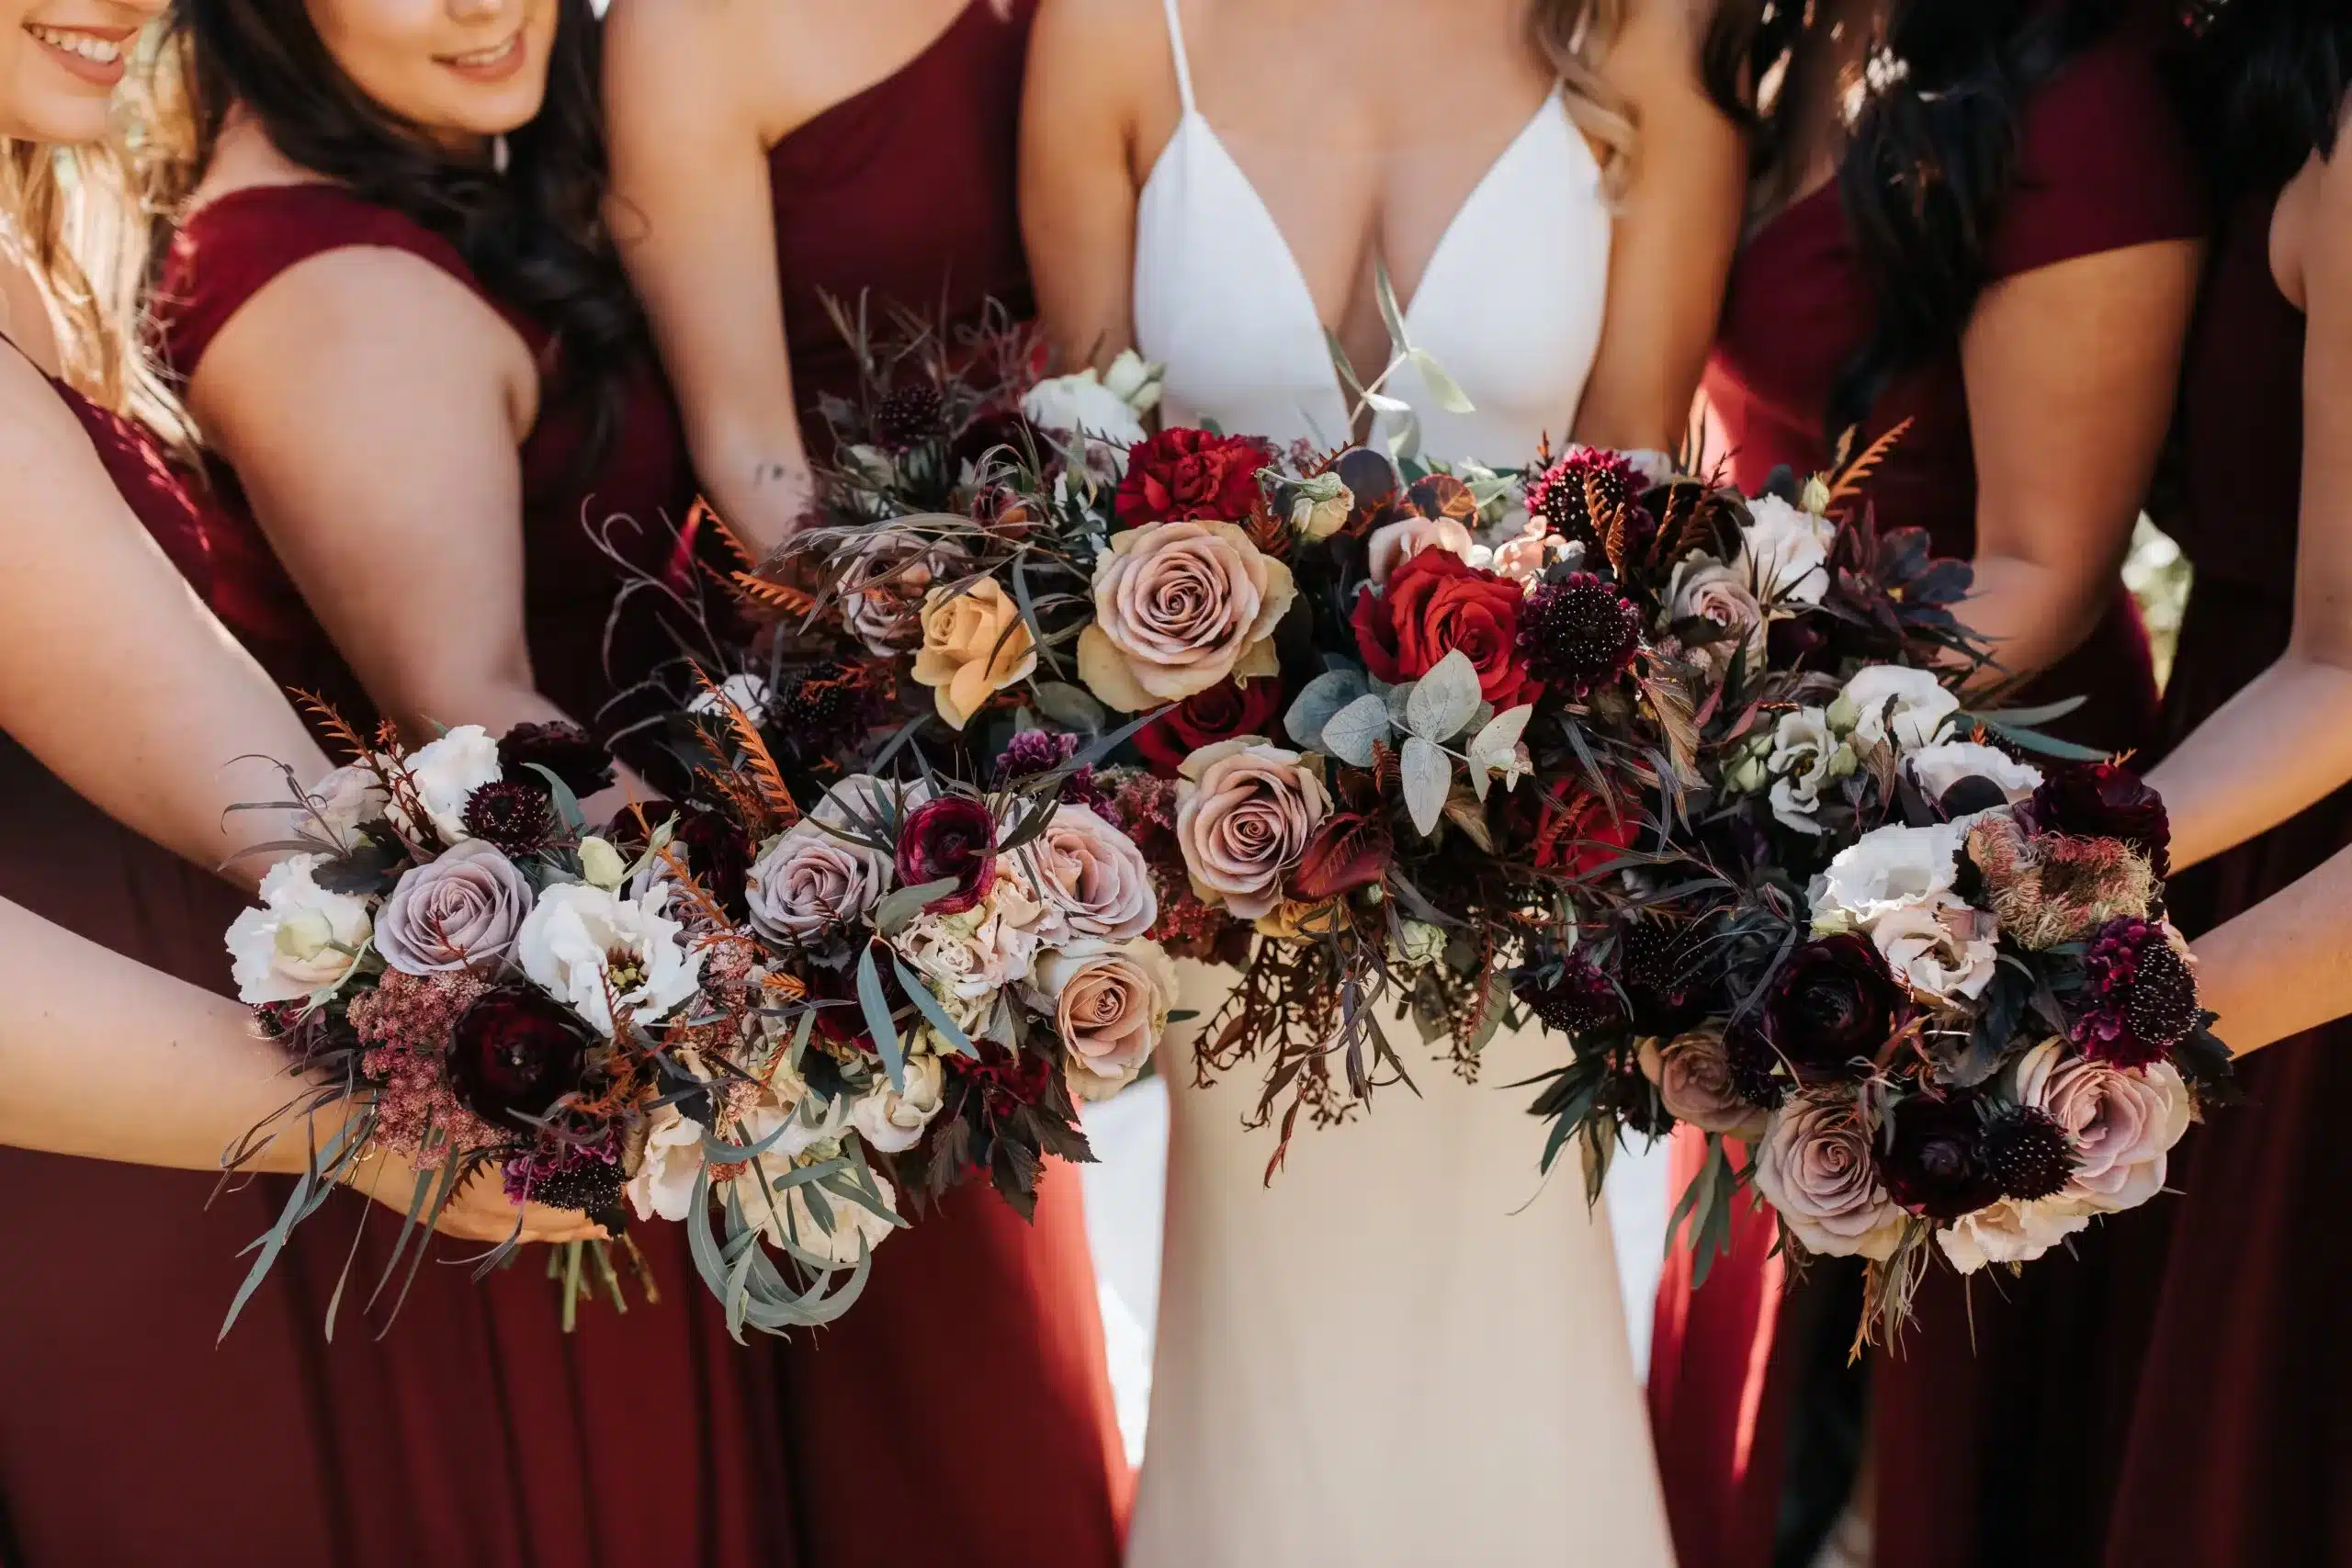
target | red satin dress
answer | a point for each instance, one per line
(475, 1431)
(2240, 1443)
(2101, 166)
(962, 1411)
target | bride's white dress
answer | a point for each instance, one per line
(1409, 1348)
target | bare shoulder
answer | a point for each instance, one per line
(1122, 41)
(665, 60)
(37, 432)
(350, 310)
(1656, 49)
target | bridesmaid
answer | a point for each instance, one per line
(1978, 216)
(401, 328)
(2237, 1450)
(767, 155)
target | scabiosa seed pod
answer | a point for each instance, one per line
(584, 1180)
(2026, 1153)
(1572, 997)
(823, 706)
(909, 415)
(1576, 496)
(516, 817)
(1752, 1061)
(1659, 976)
(2141, 997)
(1578, 633)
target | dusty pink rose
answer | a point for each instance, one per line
(1720, 593)
(1394, 544)
(1694, 1077)
(1110, 1005)
(1178, 607)
(810, 880)
(1090, 878)
(885, 578)
(1244, 812)
(1814, 1166)
(457, 912)
(2123, 1121)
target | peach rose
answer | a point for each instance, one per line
(1111, 1006)
(1178, 607)
(1245, 810)
(975, 644)
(1394, 544)
(1090, 878)
(1694, 1077)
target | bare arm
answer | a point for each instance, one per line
(1078, 180)
(1677, 224)
(2284, 740)
(2284, 966)
(690, 208)
(117, 677)
(2071, 370)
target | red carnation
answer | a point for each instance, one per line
(1186, 473)
(1435, 605)
(1220, 713)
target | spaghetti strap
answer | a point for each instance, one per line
(1176, 47)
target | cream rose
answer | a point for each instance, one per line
(594, 949)
(457, 912)
(1244, 812)
(1081, 404)
(1090, 878)
(1813, 1166)
(978, 952)
(1394, 544)
(1694, 1077)
(347, 799)
(1110, 1005)
(892, 1120)
(885, 578)
(1895, 704)
(2123, 1124)
(302, 939)
(1178, 607)
(975, 644)
(2008, 1232)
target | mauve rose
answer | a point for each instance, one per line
(1244, 813)
(1091, 879)
(810, 881)
(1436, 604)
(1694, 1077)
(1832, 1008)
(462, 910)
(1394, 544)
(884, 581)
(1814, 1166)
(952, 838)
(1225, 710)
(2123, 1123)
(1187, 474)
(1109, 1006)
(1178, 607)
(1714, 591)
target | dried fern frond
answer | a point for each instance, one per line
(1852, 477)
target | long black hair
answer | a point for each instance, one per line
(2262, 85)
(1929, 160)
(533, 233)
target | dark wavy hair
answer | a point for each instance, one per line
(2262, 85)
(1927, 164)
(534, 233)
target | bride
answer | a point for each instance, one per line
(1407, 1348)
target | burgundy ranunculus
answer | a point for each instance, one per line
(1437, 604)
(1933, 1162)
(515, 1053)
(568, 751)
(1832, 1008)
(952, 838)
(2104, 800)
(1220, 713)
(1185, 473)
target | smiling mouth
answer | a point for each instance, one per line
(484, 59)
(87, 46)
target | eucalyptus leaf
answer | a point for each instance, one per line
(927, 1005)
(878, 1022)
(906, 903)
(567, 805)
(1319, 701)
(1071, 705)
(1442, 387)
(1427, 776)
(1443, 700)
(1355, 729)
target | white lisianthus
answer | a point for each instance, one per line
(892, 1120)
(746, 691)
(1887, 869)
(1805, 759)
(1937, 768)
(1897, 704)
(446, 773)
(1943, 949)
(1134, 380)
(672, 1159)
(591, 949)
(1080, 404)
(1786, 551)
(2009, 1231)
(348, 798)
(302, 940)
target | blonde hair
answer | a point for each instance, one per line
(1576, 36)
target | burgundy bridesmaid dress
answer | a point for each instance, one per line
(962, 1410)
(475, 1431)
(2240, 1446)
(127, 1439)
(2101, 166)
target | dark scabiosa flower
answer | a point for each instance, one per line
(513, 814)
(909, 415)
(2026, 1153)
(584, 1179)
(1750, 1061)
(1931, 1158)
(2142, 998)
(2104, 800)
(1659, 976)
(1578, 496)
(568, 751)
(951, 839)
(515, 1053)
(1831, 1009)
(1578, 633)
(1570, 996)
(1033, 751)
(713, 844)
(821, 707)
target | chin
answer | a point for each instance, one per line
(63, 119)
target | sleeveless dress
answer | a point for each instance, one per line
(475, 1431)
(1407, 1348)
(119, 1274)
(2101, 166)
(962, 1410)
(2240, 1442)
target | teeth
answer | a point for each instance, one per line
(102, 50)
(486, 56)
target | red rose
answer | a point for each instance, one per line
(1577, 835)
(1435, 605)
(1220, 713)
(1190, 474)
